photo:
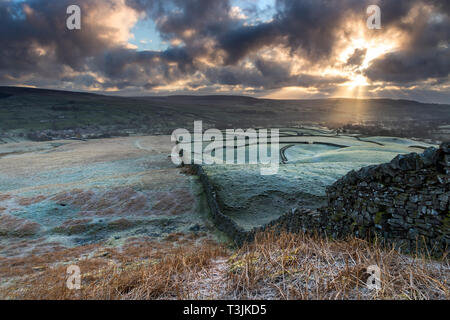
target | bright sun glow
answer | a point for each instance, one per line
(357, 81)
(358, 85)
(374, 49)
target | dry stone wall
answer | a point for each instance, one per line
(405, 202)
(222, 222)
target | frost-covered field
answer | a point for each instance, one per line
(313, 163)
(65, 194)
(64, 201)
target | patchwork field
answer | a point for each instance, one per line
(313, 160)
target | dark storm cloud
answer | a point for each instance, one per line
(36, 45)
(411, 65)
(308, 25)
(357, 58)
(145, 65)
(207, 17)
(267, 75)
(173, 18)
(240, 42)
(26, 26)
(442, 5)
(426, 55)
(313, 25)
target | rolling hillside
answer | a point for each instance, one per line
(26, 112)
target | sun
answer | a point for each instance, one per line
(358, 84)
(355, 84)
(357, 81)
(355, 88)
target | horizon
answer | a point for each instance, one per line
(106, 94)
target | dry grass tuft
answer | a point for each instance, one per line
(188, 170)
(296, 266)
(11, 226)
(30, 201)
(275, 266)
(26, 265)
(139, 271)
(4, 196)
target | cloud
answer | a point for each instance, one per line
(426, 53)
(35, 39)
(216, 45)
(357, 58)
(411, 65)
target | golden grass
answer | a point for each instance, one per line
(12, 226)
(141, 270)
(275, 266)
(30, 201)
(24, 266)
(4, 197)
(296, 266)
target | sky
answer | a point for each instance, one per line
(280, 49)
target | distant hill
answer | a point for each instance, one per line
(28, 109)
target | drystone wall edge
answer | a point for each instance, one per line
(404, 202)
(221, 221)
